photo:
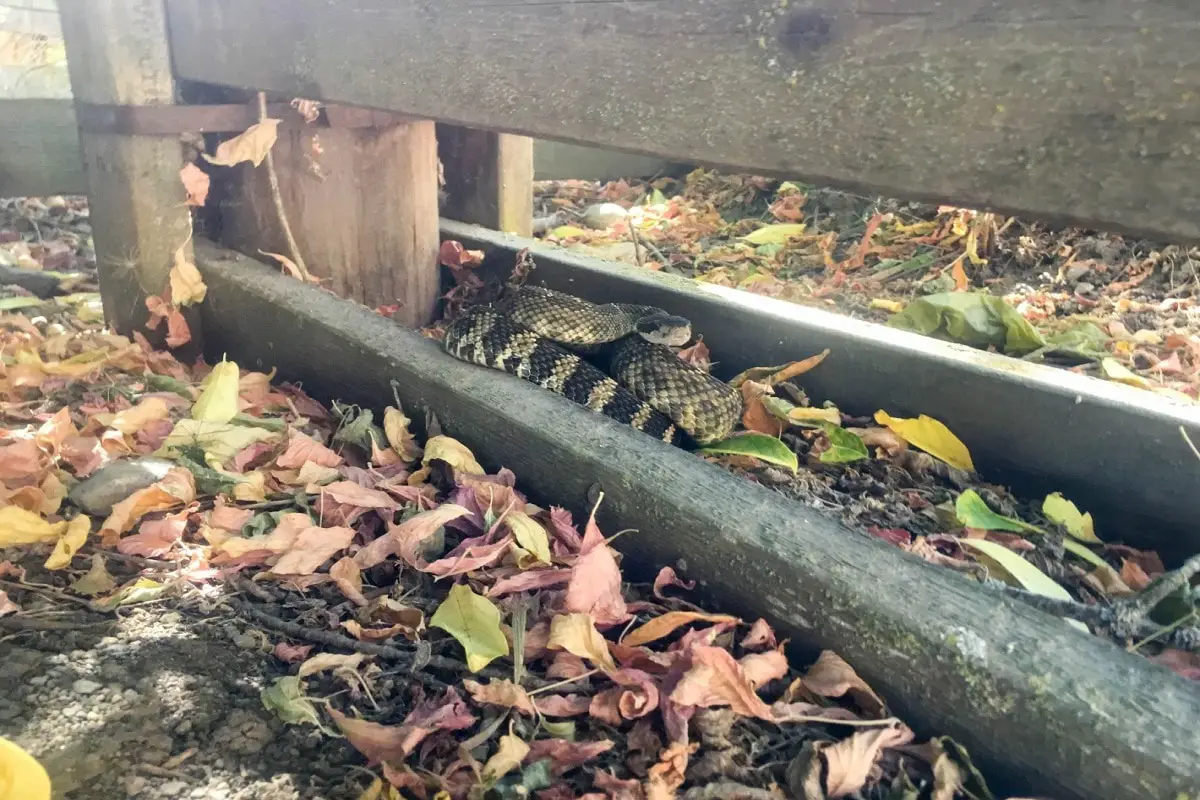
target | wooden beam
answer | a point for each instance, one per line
(118, 55)
(1046, 709)
(489, 178)
(1075, 110)
(39, 149)
(364, 211)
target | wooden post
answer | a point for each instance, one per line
(118, 55)
(489, 178)
(362, 204)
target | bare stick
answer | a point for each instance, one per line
(277, 198)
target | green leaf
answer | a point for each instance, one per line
(756, 445)
(474, 621)
(219, 440)
(844, 446)
(560, 730)
(143, 590)
(286, 698)
(973, 512)
(1013, 569)
(1081, 550)
(775, 234)
(1061, 510)
(655, 198)
(974, 319)
(1082, 339)
(15, 303)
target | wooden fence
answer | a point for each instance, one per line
(1078, 110)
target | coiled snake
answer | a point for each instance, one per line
(532, 331)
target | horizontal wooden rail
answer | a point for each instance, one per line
(1046, 707)
(39, 149)
(1113, 449)
(1076, 110)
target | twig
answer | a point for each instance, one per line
(49, 591)
(637, 246)
(1188, 439)
(277, 197)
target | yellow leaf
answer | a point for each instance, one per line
(1061, 510)
(931, 436)
(395, 426)
(1015, 570)
(508, 756)
(453, 452)
(70, 542)
(774, 234)
(668, 623)
(96, 581)
(132, 420)
(1115, 371)
(54, 493)
(18, 526)
(187, 287)
(218, 440)
(474, 621)
(1072, 546)
(577, 634)
(218, 401)
(21, 776)
(891, 306)
(252, 145)
(252, 488)
(530, 535)
(567, 231)
(805, 414)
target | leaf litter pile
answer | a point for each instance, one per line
(407, 606)
(1119, 308)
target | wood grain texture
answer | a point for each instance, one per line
(1045, 708)
(367, 221)
(1081, 110)
(117, 54)
(39, 149)
(1028, 425)
(489, 178)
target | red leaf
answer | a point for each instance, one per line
(595, 587)
(667, 577)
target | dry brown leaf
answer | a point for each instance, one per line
(756, 417)
(848, 763)
(500, 692)
(697, 355)
(177, 488)
(716, 679)
(453, 452)
(348, 577)
(762, 668)
(595, 587)
(668, 775)
(251, 145)
(406, 539)
(302, 449)
(668, 623)
(290, 267)
(400, 438)
(312, 548)
(796, 368)
(831, 676)
(196, 182)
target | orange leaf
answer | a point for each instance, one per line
(662, 626)
(252, 145)
(501, 693)
(176, 488)
(715, 679)
(961, 281)
(302, 448)
(196, 182)
(831, 676)
(313, 546)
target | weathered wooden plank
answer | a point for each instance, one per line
(1029, 425)
(119, 55)
(489, 178)
(364, 212)
(1083, 110)
(39, 149)
(1048, 709)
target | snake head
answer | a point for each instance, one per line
(665, 329)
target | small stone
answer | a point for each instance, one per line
(172, 788)
(134, 785)
(114, 482)
(245, 641)
(1077, 272)
(603, 215)
(132, 695)
(1084, 288)
(171, 618)
(84, 686)
(1147, 336)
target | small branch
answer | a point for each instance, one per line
(277, 198)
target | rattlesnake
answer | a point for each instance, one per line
(532, 331)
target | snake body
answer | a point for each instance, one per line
(538, 334)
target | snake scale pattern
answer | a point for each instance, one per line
(543, 336)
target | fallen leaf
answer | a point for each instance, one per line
(849, 762)
(762, 668)
(931, 436)
(577, 634)
(18, 527)
(302, 449)
(667, 624)
(187, 287)
(7, 606)
(132, 420)
(1058, 509)
(21, 460)
(400, 438)
(831, 676)
(474, 621)
(697, 355)
(220, 441)
(348, 577)
(218, 400)
(176, 488)
(251, 145)
(595, 587)
(502, 693)
(407, 538)
(566, 755)
(312, 547)
(716, 679)
(667, 577)
(961, 281)
(844, 446)
(196, 182)
(778, 233)
(96, 581)
(529, 534)
(453, 452)
(508, 756)
(756, 445)
(1012, 568)
(1115, 371)
(973, 512)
